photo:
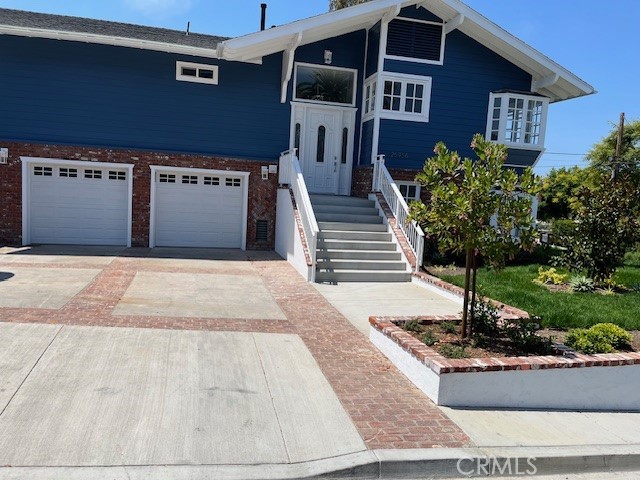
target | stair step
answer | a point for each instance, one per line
(355, 245)
(359, 255)
(359, 227)
(351, 235)
(348, 218)
(349, 264)
(350, 209)
(362, 276)
(340, 200)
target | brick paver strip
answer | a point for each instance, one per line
(388, 410)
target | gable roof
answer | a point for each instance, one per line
(549, 78)
(61, 27)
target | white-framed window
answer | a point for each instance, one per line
(91, 173)
(409, 190)
(166, 178)
(325, 84)
(232, 182)
(517, 120)
(405, 97)
(190, 179)
(415, 40)
(117, 175)
(68, 172)
(369, 97)
(197, 72)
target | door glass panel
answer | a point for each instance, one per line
(345, 139)
(322, 131)
(296, 139)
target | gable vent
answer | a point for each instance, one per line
(414, 40)
(262, 230)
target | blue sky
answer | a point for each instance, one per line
(594, 39)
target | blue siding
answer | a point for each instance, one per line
(98, 95)
(373, 47)
(367, 143)
(419, 14)
(459, 101)
(348, 52)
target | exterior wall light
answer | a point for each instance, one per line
(328, 57)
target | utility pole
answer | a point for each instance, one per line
(617, 159)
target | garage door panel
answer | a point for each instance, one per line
(198, 215)
(78, 210)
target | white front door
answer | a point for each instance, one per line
(324, 138)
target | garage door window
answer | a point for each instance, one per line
(96, 174)
(43, 171)
(190, 179)
(115, 175)
(212, 180)
(232, 182)
(166, 178)
(69, 172)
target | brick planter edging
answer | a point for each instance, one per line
(442, 365)
(506, 311)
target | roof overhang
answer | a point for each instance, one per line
(548, 78)
(108, 40)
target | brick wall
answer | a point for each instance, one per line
(262, 193)
(361, 183)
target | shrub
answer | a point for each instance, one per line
(632, 259)
(551, 276)
(412, 326)
(452, 351)
(485, 319)
(428, 338)
(600, 338)
(448, 327)
(523, 332)
(580, 283)
(562, 230)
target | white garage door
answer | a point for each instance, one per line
(199, 209)
(78, 204)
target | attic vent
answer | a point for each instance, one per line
(417, 40)
(262, 230)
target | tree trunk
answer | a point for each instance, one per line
(467, 282)
(474, 277)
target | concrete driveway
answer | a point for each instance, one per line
(219, 357)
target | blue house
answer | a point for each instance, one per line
(117, 134)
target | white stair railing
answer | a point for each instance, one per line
(290, 174)
(384, 183)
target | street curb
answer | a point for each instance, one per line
(373, 464)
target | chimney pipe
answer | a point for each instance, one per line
(263, 16)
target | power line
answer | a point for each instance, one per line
(564, 153)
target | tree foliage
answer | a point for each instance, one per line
(557, 191)
(476, 205)
(338, 4)
(602, 154)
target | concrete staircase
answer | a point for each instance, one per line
(353, 244)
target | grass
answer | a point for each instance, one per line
(514, 286)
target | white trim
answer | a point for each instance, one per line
(197, 66)
(26, 180)
(409, 183)
(108, 40)
(326, 67)
(504, 107)
(454, 23)
(186, 170)
(288, 57)
(404, 78)
(366, 116)
(413, 59)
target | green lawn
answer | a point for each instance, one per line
(514, 286)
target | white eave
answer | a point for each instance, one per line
(108, 40)
(548, 78)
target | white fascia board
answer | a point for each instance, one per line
(108, 40)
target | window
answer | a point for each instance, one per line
(345, 144)
(43, 171)
(322, 131)
(116, 175)
(212, 180)
(416, 40)
(95, 174)
(517, 120)
(406, 97)
(409, 190)
(197, 72)
(68, 172)
(166, 178)
(319, 83)
(369, 97)
(296, 139)
(190, 179)
(232, 182)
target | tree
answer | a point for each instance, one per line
(338, 4)
(602, 154)
(476, 207)
(558, 189)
